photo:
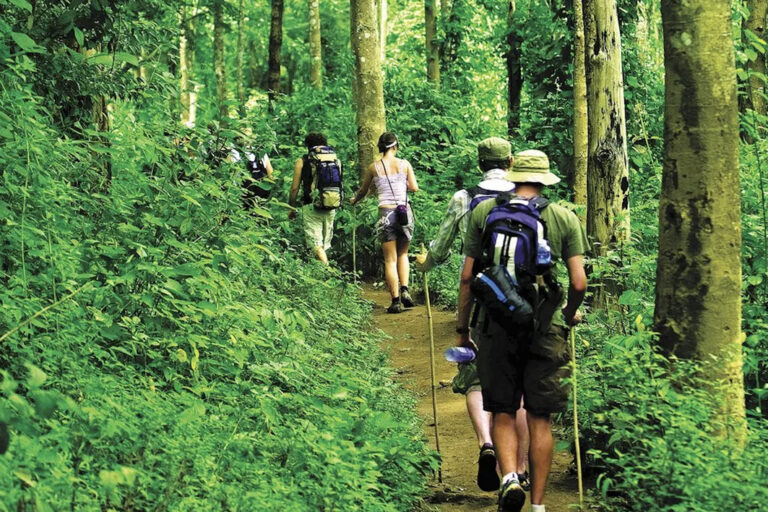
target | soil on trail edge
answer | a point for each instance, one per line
(409, 351)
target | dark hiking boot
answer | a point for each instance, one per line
(487, 478)
(396, 306)
(405, 297)
(525, 481)
(511, 497)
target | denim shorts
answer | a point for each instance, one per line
(388, 229)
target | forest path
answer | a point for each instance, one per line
(409, 351)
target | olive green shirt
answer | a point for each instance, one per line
(565, 235)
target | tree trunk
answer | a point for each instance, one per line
(514, 71)
(275, 42)
(580, 115)
(607, 173)
(315, 47)
(755, 23)
(240, 52)
(219, 66)
(382, 6)
(184, 69)
(433, 55)
(369, 97)
(698, 284)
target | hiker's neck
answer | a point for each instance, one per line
(524, 190)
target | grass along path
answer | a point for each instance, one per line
(409, 351)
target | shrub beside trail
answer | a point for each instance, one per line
(201, 364)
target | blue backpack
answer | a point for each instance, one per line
(516, 262)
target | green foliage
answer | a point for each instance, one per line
(202, 364)
(648, 426)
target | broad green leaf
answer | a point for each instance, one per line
(23, 4)
(79, 37)
(25, 42)
(36, 377)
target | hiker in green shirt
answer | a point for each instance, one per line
(528, 362)
(494, 157)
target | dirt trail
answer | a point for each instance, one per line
(409, 351)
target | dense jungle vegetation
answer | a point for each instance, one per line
(161, 348)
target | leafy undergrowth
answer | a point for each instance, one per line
(192, 360)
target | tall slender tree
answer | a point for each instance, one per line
(514, 71)
(698, 284)
(607, 173)
(382, 8)
(432, 48)
(240, 52)
(755, 23)
(368, 88)
(219, 66)
(580, 109)
(185, 69)
(315, 46)
(275, 43)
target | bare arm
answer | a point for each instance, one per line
(465, 302)
(367, 179)
(296, 181)
(268, 166)
(577, 288)
(412, 185)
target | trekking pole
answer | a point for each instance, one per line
(576, 419)
(354, 242)
(432, 372)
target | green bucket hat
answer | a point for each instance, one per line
(494, 148)
(531, 166)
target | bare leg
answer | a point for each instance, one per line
(403, 267)
(540, 455)
(481, 420)
(505, 441)
(320, 254)
(523, 439)
(390, 267)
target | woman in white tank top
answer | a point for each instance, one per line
(393, 178)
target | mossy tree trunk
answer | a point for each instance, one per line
(698, 283)
(275, 43)
(755, 23)
(219, 66)
(433, 52)
(580, 113)
(607, 173)
(368, 88)
(315, 45)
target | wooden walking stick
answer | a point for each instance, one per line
(354, 242)
(576, 419)
(432, 371)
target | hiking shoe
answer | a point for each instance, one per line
(405, 298)
(487, 478)
(395, 307)
(525, 481)
(511, 496)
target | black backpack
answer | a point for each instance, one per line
(321, 175)
(256, 171)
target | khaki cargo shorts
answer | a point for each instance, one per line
(318, 226)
